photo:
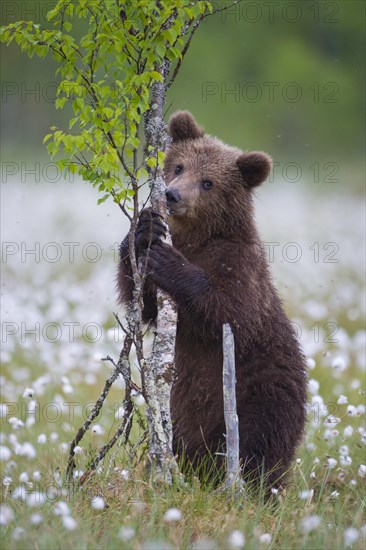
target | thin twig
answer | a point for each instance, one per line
(97, 407)
(132, 385)
(123, 430)
(185, 49)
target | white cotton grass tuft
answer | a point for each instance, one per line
(36, 519)
(344, 450)
(119, 413)
(236, 540)
(265, 538)
(15, 422)
(306, 494)
(173, 515)
(61, 508)
(339, 363)
(36, 498)
(140, 400)
(98, 503)
(6, 514)
(352, 410)
(126, 533)
(361, 470)
(18, 533)
(67, 389)
(20, 493)
(313, 386)
(331, 420)
(345, 461)
(27, 450)
(28, 392)
(64, 447)
(42, 439)
(310, 363)
(310, 523)
(331, 463)
(97, 429)
(342, 400)
(5, 453)
(351, 534)
(348, 432)
(69, 523)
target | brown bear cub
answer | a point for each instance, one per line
(216, 272)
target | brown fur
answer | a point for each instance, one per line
(217, 273)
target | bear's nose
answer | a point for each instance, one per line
(172, 196)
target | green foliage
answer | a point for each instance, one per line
(107, 65)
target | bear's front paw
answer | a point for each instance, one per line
(165, 265)
(150, 229)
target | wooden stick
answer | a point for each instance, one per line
(233, 479)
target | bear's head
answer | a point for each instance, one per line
(209, 183)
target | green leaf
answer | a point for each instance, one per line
(103, 199)
(152, 162)
(60, 102)
(52, 14)
(73, 168)
(157, 76)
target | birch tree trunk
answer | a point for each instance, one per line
(159, 368)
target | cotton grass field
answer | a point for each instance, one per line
(58, 297)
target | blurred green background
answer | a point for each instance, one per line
(286, 77)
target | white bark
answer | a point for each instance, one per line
(159, 368)
(163, 351)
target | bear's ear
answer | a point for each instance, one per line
(254, 167)
(182, 125)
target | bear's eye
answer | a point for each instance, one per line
(207, 184)
(178, 169)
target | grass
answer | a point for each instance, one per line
(206, 516)
(324, 503)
